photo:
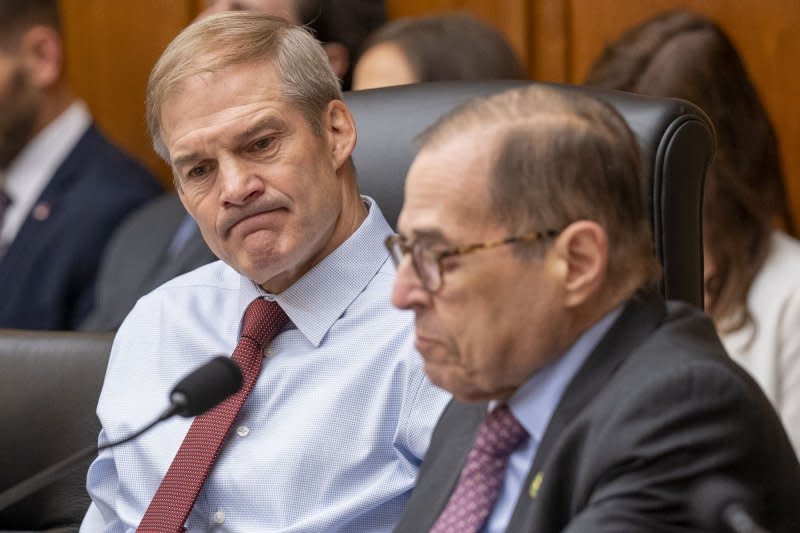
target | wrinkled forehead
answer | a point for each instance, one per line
(447, 187)
(222, 101)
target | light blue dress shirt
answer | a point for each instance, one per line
(533, 405)
(333, 433)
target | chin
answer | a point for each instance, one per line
(258, 269)
(449, 379)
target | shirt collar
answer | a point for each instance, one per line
(536, 400)
(31, 170)
(315, 301)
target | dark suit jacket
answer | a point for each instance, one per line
(48, 271)
(137, 260)
(657, 406)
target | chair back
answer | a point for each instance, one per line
(49, 385)
(676, 140)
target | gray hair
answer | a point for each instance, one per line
(241, 37)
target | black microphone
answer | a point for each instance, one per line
(206, 387)
(195, 394)
(720, 504)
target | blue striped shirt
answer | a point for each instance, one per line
(334, 431)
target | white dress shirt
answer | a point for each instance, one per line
(31, 170)
(334, 431)
(773, 353)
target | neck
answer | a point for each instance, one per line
(56, 100)
(593, 310)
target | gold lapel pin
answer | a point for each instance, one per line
(535, 485)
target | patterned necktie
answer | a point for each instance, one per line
(5, 202)
(201, 447)
(479, 484)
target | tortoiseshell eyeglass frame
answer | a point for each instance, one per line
(428, 264)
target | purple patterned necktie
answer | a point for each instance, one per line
(474, 496)
(202, 445)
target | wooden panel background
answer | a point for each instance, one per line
(111, 46)
(559, 39)
(766, 33)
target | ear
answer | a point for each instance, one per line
(580, 257)
(341, 130)
(42, 56)
(339, 58)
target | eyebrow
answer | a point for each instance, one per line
(263, 124)
(432, 234)
(185, 159)
(266, 123)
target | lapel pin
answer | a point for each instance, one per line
(41, 211)
(535, 485)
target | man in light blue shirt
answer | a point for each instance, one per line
(249, 115)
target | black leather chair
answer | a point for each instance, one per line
(49, 384)
(676, 139)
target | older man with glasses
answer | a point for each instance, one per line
(584, 402)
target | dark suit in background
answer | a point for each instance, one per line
(142, 255)
(48, 272)
(657, 406)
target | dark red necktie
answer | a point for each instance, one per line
(175, 497)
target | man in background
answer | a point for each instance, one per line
(161, 241)
(584, 403)
(63, 186)
(337, 413)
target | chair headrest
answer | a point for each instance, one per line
(675, 137)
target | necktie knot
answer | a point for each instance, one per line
(262, 320)
(500, 433)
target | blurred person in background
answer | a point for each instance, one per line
(752, 290)
(453, 46)
(63, 185)
(340, 25)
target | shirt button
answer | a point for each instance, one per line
(242, 431)
(219, 517)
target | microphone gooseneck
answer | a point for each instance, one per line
(720, 504)
(202, 389)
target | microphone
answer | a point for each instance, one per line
(720, 504)
(199, 391)
(207, 386)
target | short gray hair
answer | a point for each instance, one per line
(241, 37)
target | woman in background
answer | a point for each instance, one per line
(454, 46)
(752, 285)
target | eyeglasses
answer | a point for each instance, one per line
(427, 263)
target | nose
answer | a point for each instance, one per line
(239, 182)
(407, 291)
